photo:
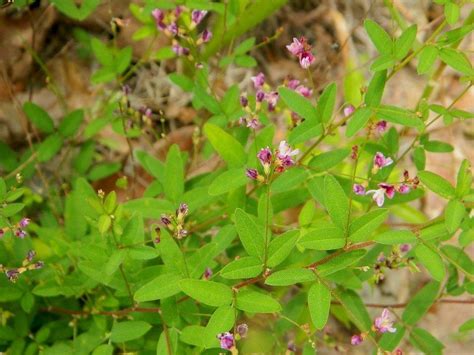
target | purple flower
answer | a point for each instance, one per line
(38, 265)
(380, 161)
(183, 209)
(12, 274)
(291, 346)
(358, 189)
(260, 96)
(384, 323)
(284, 155)
(404, 189)
(226, 340)
(252, 174)
(173, 28)
(181, 233)
(165, 219)
(207, 273)
(157, 240)
(297, 46)
(405, 248)
(272, 99)
(242, 330)
(306, 59)
(379, 195)
(349, 110)
(206, 36)
(20, 233)
(381, 126)
(197, 16)
(2, 232)
(30, 255)
(265, 156)
(357, 339)
(258, 80)
(178, 10)
(180, 50)
(381, 258)
(159, 16)
(244, 101)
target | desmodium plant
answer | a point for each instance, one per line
(272, 230)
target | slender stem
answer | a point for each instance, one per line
(267, 217)
(122, 271)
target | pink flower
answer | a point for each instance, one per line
(304, 91)
(20, 233)
(197, 16)
(380, 161)
(306, 59)
(265, 156)
(272, 99)
(244, 101)
(206, 36)
(260, 96)
(24, 222)
(384, 323)
(178, 10)
(284, 156)
(358, 189)
(297, 46)
(379, 195)
(405, 248)
(159, 16)
(173, 28)
(349, 110)
(381, 126)
(179, 50)
(226, 340)
(207, 273)
(357, 339)
(404, 189)
(293, 84)
(242, 329)
(165, 219)
(258, 80)
(253, 123)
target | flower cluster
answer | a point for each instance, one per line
(13, 274)
(382, 324)
(176, 223)
(18, 229)
(277, 161)
(302, 50)
(227, 339)
(173, 24)
(386, 189)
(396, 259)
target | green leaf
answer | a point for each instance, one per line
(467, 325)
(245, 46)
(396, 237)
(355, 309)
(362, 228)
(374, 94)
(305, 131)
(383, 62)
(104, 223)
(114, 261)
(185, 83)
(290, 277)
(389, 341)
(256, 302)
(426, 342)
(323, 238)
(242, 268)
(226, 146)
(39, 117)
(227, 181)
(129, 330)
(438, 147)
(319, 302)
(3, 189)
(337, 203)
(404, 43)
(431, 261)
(419, 157)
(281, 246)
(171, 254)
(160, 287)
(451, 12)
(340, 262)
(221, 321)
(328, 160)
(193, 335)
(456, 60)
(326, 103)
(251, 233)
(400, 116)
(149, 207)
(69, 8)
(207, 292)
(103, 170)
(420, 303)
(50, 147)
(174, 175)
(208, 101)
(457, 255)
(245, 61)
(453, 215)
(358, 121)
(464, 179)
(289, 179)
(299, 104)
(382, 41)
(426, 59)
(11, 209)
(437, 184)
(103, 54)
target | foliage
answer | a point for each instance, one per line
(190, 264)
